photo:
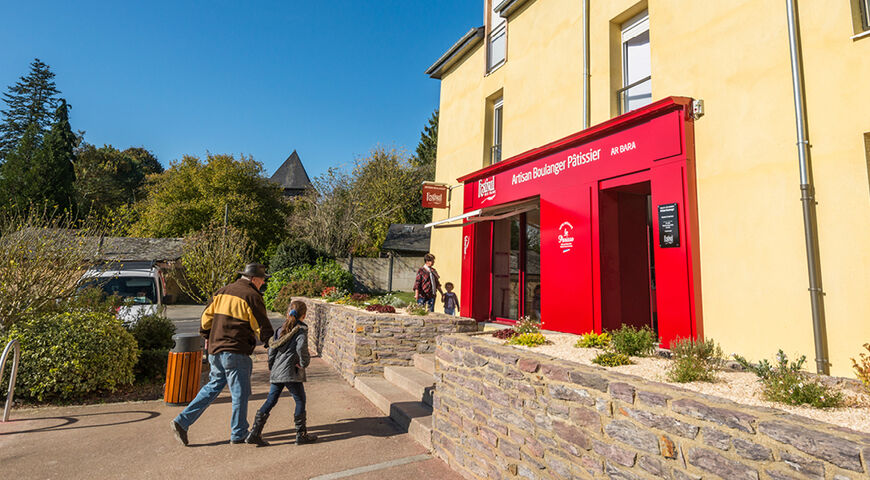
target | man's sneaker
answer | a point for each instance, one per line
(237, 442)
(180, 433)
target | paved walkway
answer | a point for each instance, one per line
(133, 440)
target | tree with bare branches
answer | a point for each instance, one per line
(211, 259)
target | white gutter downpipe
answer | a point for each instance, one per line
(808, 199)
(586, 74)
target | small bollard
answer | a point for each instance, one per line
(183, 369)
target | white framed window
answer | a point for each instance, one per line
(497, 120)
(497, 44)
(864, 11)
(636, 88)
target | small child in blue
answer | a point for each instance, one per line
(451, 301)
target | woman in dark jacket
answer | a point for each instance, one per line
(288, 358)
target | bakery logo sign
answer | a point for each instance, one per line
(486, 189)
(566, 236)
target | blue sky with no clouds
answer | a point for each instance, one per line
(331, 79)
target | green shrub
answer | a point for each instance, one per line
(68, 355)
(862, 370)
(527, 325)
(694, 360)
(763, 369)
(151, 365)
(274, 286)
(329, 271)
(528, 339)
(392, 300)
(784, 382)
(326, 273)
(611, 359)
(632, 341)
(593, 340)
(417, 309)
(153, 334)
(296, 288)
(294, 253)
(282, 301)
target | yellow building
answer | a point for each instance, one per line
(520, 82)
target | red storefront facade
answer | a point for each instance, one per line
(592, 231)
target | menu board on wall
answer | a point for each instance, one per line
(669, 226)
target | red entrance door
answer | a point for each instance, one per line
(627, 258)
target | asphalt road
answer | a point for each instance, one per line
(186, 317)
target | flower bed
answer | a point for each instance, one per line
(737, 386)
(515, 412)
(358, 342)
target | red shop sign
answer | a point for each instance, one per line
(434, 196)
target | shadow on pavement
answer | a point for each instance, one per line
(340, 430)
(68, 422)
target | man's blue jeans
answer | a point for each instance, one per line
(429, 302)
(227, 368)
(296, 391)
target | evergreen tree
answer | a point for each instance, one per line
(29, 102)
(428, 147)
(15, 172)
(40, 171)
(54, 171)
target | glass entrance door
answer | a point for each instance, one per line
(516, 267)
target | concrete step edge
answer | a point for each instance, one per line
(425, 362)
(413, 416)
(412, 380)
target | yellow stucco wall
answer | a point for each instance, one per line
(733, 55)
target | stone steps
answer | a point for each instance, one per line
(410, 413)
(425, 362)
(405, 395)
(418, 383)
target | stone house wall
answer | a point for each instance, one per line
(501, 413)
(357, 342)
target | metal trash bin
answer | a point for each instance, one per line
(183, 369)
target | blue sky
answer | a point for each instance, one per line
(331, 79)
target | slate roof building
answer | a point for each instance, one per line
(292, 177)
(407, 240)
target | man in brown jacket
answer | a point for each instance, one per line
(233, 320)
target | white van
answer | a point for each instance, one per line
(140, 285)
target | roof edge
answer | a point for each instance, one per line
(654, 109)
(508, 7)
(454, 53)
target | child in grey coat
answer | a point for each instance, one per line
(288, 358)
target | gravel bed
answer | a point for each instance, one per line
(740, 387)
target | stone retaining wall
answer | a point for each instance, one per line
(501, 412)
(357, 342)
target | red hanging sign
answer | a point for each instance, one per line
(434, 196)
